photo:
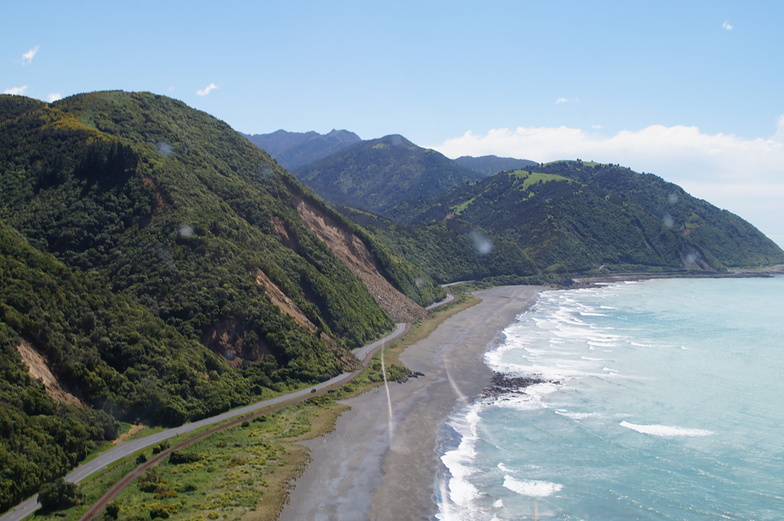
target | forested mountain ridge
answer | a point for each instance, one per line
(574, 216)
(296, 149)
(165, 269)
(489, 165)
(379, 173)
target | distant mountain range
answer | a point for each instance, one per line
(295, 149)
(379, 173)
(374, 174)
(560, 217)
(489, 165)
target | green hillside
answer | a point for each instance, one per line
(451, 250)
(377, 174)
(163, 268)
(571, 216)
(107, 351)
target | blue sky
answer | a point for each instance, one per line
(689, 90)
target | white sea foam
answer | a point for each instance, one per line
(576, 415)
(532, 488)
(666, 431)
(460, 460)
(503, 468)
(519, 402)
(531, 400)
(601, 345)
(638, 344)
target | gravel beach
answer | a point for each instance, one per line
(380, 461)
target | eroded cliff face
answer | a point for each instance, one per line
(355, 255)
(283, 302)
(38, 368)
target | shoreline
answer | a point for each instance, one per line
(586, 281)
(380, 461)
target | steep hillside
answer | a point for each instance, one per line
(157, 265)
(574, 216)
(377, 174)
(171, 206)
(451, 250)
(353, 252)
(295, 149)
(67, 344)
(489, 165)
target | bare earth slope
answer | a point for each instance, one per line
(355, 255)
(39, 368)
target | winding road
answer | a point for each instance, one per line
(127, 448)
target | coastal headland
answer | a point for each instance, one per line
(380, 461)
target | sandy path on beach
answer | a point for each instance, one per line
(380, 461)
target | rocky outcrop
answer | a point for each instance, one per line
(234, 342)
(505, 384)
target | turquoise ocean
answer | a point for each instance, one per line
(662, 400)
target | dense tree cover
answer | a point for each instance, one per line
(39, 438)
(575, 216)
(450, 250)
(133, 230)
(58, 495)
(377, 174)
(111, 350)
(179, 213)
(105, 348)
(729, 240)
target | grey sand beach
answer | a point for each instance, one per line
(380, 461)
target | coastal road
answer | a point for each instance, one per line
(127, 448)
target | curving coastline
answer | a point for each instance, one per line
(379, 462)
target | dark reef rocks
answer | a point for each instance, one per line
(502, 384)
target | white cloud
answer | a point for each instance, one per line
(54, 96)
(560, 101)
(779, 136)
(745, 176)
(16, 90)
(206, 90)
(27, 57)
(726, 25)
